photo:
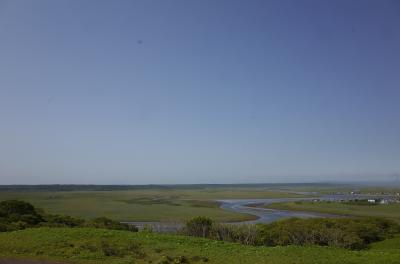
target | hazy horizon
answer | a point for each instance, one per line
(168, 92)
(387, 181)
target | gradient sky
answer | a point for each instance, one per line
(137, 92)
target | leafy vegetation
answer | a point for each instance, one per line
(88, 245)
(62, 221)
(336, 232)
(347, 233)
(96, 239)
(199, 226)
(103, 240)
(106, 223)
(16, 215)
(246, 234)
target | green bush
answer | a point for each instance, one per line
(16, 215)
(3, 227)
(239, 233)
(63, 221)
(199, 226)
(19, 211)
(106, 223)
(15, 207)
(110, 250)
(350, 233)
(206, 227)
(338, 232)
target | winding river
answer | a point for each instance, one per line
(265, 215)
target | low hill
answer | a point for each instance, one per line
(88, 245)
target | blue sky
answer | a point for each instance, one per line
(137, 92)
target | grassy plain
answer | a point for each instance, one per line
(327, 189)
(144, 205)
(83, 245)
(378, 210)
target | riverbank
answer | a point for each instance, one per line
(266, 215)
(391, 211)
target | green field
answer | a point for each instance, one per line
(84, 245)
(379, 210)
(144, 205)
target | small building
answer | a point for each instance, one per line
(384, 201)
(371, 200)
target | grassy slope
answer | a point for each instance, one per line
(386, 210)
(84, 246)
(137, 205)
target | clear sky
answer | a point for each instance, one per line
(137, 92)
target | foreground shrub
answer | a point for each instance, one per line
(15, 207)
(16, 215)
(62, 221)
(106, 223)
(238, 233)
(338, 232)
(110, 249)
(207, 228)
(19, 211)
(350, 233)
(199, 226)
